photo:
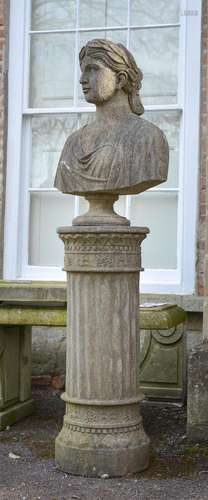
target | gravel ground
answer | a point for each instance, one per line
(179, 470)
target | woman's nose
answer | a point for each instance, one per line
(83, 78)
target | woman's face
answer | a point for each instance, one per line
(98, 82)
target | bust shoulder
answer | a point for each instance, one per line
(145, 128)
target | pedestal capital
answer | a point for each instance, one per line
(102, 250)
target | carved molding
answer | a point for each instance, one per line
(102, 420)
(102, 430)
(103, 253)
(168, 337)
(104, 263)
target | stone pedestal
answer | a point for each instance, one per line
(102, 431)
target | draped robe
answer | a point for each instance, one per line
(133, 158)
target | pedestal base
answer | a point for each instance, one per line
(98, 439)
(98, 462)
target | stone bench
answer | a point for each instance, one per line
(162, 350)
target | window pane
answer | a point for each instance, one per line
(47, 212)
(156, 52)
(158, 211)
(120, 205)
(169, 122)
(53, 14)
(118, 36)
(48, 136)
(98, 13)
(52, 70)
(83, 205)
(154, 11)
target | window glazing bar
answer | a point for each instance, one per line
(85, 109)
(105, 28)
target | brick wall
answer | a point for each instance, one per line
(202, 228)
(4, 18)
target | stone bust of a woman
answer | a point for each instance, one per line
(119, 152)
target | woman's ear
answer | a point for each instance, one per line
(121, 80)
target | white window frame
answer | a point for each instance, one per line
(181, 280)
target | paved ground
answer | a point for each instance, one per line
(178, 469)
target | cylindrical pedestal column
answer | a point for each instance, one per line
(102, 431)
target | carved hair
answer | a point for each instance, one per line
(116, 57)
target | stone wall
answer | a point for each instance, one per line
(200, 278)
(193, 329)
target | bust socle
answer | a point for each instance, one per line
(119, 152)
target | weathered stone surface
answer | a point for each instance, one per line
(118, 152)
(161, 316)
(49, 351)
(15, 374)
(163, 351)
(197, 403)
(24, 315)
(102, 431)
(163, 364)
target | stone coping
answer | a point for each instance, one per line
(54, 293)
(161, 317)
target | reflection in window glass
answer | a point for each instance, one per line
(47, 212)
(98, 13)
(53, 14)
(52, 85)
(158, 211)
(156, 52)
(52, 70)
(154, 12)
(169, 122)
(48, 137)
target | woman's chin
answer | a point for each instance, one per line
(89, 98)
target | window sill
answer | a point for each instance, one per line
(54, 292)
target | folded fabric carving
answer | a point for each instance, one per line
(133, 159)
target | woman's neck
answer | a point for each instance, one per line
(117, 108)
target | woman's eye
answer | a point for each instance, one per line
(94, 68)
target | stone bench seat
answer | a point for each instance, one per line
(162, 349)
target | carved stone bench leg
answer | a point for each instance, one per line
(15, 374)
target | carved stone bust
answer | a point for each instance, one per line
(119, 152)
